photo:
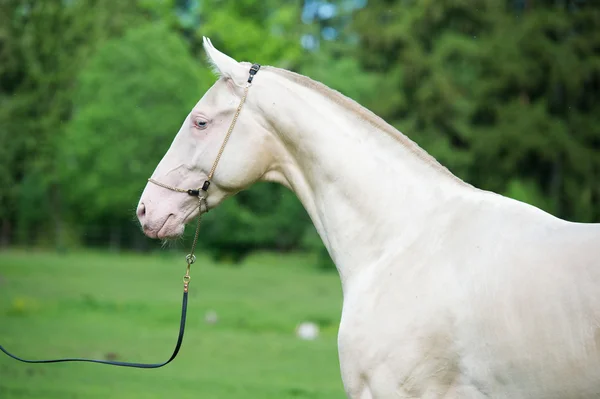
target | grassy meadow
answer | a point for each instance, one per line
(127, 306)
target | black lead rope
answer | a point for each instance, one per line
(115, 363)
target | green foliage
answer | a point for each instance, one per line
(496, 93)
(267, 216)
(504, 93)
(334, 67)
(267, 30)
(42, 47)
(131, 99)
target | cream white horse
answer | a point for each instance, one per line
(449, 291)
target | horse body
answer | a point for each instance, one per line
(449, 291)
(509, 311)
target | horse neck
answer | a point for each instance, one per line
(370, 193)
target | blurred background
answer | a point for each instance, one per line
(505, 93)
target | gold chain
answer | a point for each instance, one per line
(191, 258)
(181, 190)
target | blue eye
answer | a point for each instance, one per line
(200, 123)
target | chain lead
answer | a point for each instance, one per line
(191, 258)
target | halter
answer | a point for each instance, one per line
(199, 192)
(190, 258)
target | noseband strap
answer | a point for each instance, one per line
(193, 192)
(190, 258)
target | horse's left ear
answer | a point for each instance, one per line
(223, 64)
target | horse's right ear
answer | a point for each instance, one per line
(223, 65)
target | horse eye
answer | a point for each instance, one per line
(201, 124)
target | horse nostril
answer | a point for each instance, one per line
(141, 211)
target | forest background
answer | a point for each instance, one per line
(503, 93)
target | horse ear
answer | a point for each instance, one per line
(223, 65)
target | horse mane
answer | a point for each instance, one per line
(363, 114)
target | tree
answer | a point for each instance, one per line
(131, 98)
(505, 96)
(43, 45)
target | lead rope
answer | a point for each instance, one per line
(190, 258)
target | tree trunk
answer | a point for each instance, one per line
(5, 231)
(115, 238)
(57, 219)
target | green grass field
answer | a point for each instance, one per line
(127, 306)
